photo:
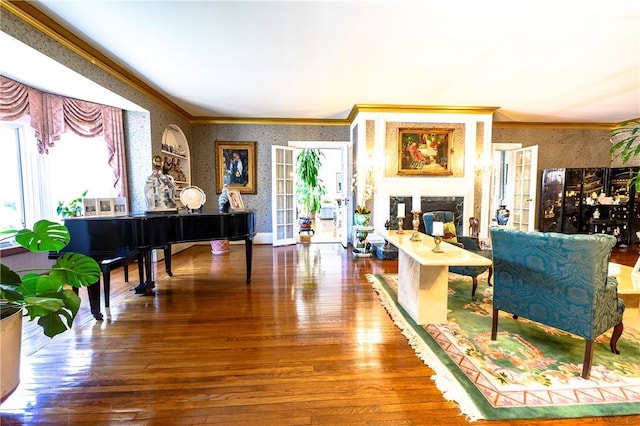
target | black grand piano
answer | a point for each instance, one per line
(126, 237)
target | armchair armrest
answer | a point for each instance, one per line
(611, 285)
(473, 244)
(469, 243)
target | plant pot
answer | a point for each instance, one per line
(219, 246)
(10, 348)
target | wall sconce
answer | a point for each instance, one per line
(484, 166)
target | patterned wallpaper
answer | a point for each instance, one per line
(557, 148)
(203, 173)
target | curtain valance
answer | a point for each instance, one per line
(52, 115)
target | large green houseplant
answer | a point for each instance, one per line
(46, 294)
(625, 139)
(310, 189)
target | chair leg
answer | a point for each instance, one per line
(490, 275)
(588, 359)
(494, 325)
(617, 332)
(474, 288)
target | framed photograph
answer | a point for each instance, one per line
(120, 206)
(90, 206)
(424, 151)
(236, 166)
(105, 206)
(235, 200)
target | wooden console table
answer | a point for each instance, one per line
(423, 276)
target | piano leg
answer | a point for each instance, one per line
(94, 299)
(146, 286)
(140, 267)
(167, 259)
(248, 250)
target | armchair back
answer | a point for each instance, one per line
(556, 279)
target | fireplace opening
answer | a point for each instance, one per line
(427, 204)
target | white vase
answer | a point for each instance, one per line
(10, 348)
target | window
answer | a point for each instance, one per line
(34, 183)
(11, 200)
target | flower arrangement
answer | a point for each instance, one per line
(362, 210)
(367, 194)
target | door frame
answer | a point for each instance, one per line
(347, 176)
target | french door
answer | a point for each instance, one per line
(283, 201)
(524, 178)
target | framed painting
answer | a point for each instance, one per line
(424, 151)
(236, 166)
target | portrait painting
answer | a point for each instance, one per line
(236, 166)
(424, 152)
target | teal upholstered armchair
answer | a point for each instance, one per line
(466, 242)
(558, 280)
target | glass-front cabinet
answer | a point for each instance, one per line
(589, 201)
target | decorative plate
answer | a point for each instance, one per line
(193, 197)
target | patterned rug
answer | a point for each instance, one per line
(530, 371)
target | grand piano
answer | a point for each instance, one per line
(122, 238)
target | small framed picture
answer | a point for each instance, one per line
(235, 199)
(105, 206)
(89, 206)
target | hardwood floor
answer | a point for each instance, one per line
(307, 342)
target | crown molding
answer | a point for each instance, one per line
(272, 121)
(423, 109)
(548, 125)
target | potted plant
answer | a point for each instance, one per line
(626, 145)
(45, 294)
(311, 188)
(362, 215)
(73, 208)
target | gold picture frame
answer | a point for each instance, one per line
(235, 164)
(424, 151)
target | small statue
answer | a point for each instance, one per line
(387, 226)
(160, 189)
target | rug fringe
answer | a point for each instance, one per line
(444, 380)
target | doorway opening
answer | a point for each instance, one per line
(325, 226)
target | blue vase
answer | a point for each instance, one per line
(502, 215)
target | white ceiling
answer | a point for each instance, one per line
(539, 61)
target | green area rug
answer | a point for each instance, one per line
(530, 371)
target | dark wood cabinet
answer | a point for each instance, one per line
(590, 200)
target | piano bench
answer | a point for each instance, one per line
(106, 266)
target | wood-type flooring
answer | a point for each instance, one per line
(306, 343)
